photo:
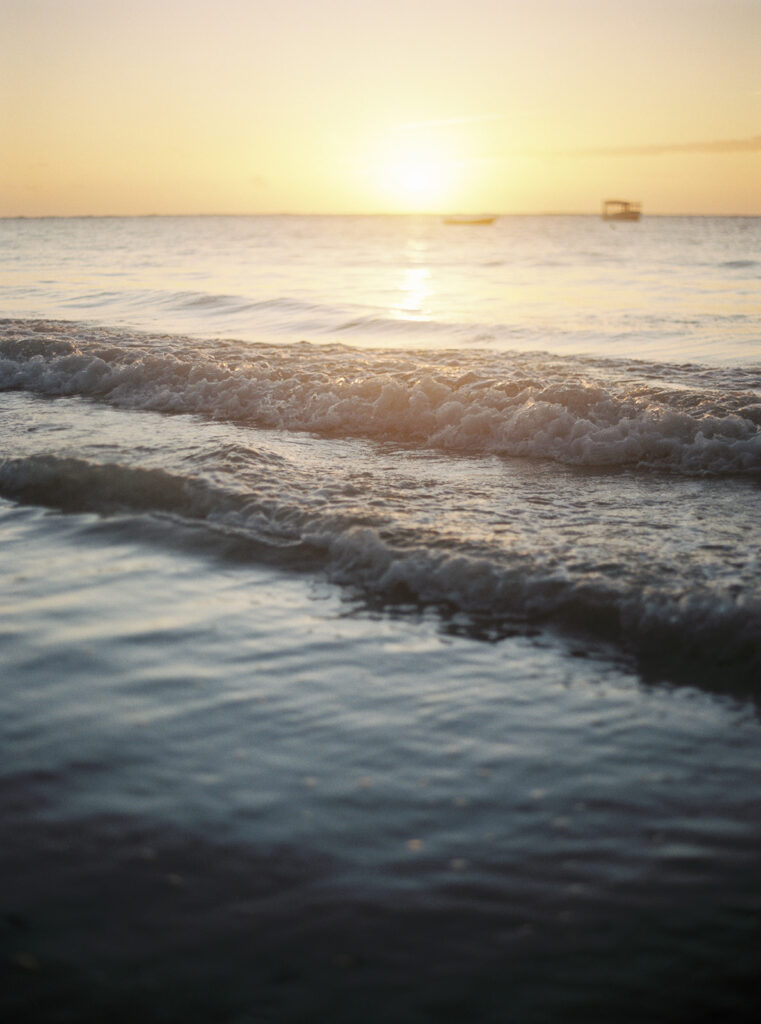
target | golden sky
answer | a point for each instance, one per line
(343, 106)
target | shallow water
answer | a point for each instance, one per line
(443, 817)
(390, 680)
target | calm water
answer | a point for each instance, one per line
(668, 288)
(381, 630)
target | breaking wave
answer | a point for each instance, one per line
(708, 634)
(597, 413)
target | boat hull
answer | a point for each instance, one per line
(465, 221)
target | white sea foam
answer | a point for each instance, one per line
(578, 412)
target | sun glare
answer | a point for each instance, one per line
(418, 179)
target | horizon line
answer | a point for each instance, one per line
(296, 213)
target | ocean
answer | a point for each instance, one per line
(381, 632)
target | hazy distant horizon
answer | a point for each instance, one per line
(411, 213)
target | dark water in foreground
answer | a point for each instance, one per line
(349, 815)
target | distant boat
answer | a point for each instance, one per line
(621, 209)
(467, 219)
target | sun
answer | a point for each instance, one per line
(418, 179)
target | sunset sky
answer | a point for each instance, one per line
(341, 106)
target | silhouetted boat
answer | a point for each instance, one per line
(467, 219)
(621, 209)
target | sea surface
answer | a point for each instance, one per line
(381, 619)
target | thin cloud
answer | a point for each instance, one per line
(750, 145)
(445, 122)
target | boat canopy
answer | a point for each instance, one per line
(621, 208)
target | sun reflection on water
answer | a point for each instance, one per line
(416, 289)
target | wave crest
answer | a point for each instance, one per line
(710, 635)
(573, 411)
